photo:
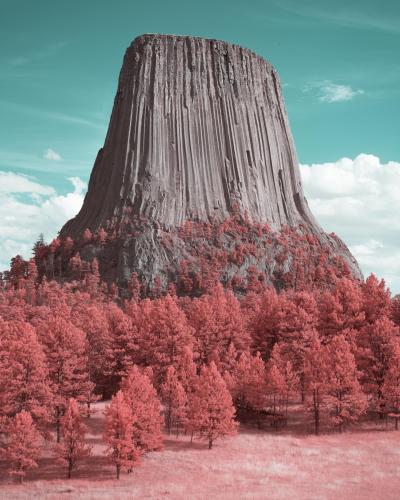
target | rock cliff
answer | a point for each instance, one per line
(198, 130)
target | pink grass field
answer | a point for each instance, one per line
(359, 464)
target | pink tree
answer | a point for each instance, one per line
(212, 415)
(120, 346)
(377, 344)
(276, 389)
(249, 388)
(141, 398)
(315, 374)
(341, 310)
(92, 279)
(186, 369)
(102, 235)
(391, 385)
(72, 449)
(31, 282)
(264, 316)
(121, 447)
(162, 333)
(174, 398)
(65, 348)
(290, 377)
(376, 299)
(218, 323)
(172, 334)
(87, 235)
(274, 318)
(300, 313)
(226, 360)
(395, 310)
(23, 445)
(91, 317)
(23, 372)
(344, 400)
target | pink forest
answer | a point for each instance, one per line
(91, 382)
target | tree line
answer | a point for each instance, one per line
(193, 365)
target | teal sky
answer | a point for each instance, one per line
(60, 62)
(338, 61)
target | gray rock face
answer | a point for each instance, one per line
(198, 127)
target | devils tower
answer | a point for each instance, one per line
(199, 135)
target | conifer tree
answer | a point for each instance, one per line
(65, 348)
(376, 299)
(212, 411)
(395, 310)
(174, 398)
(91, 317)
(218, 323)
(391, 385)
(289, 375)
(249, 382)
(145, 407)
(121, 447)
(162, 333)
(377, 344)
(276, 389)
(121, 345)
(72, 448)
(23, 445)
(23, 372)
(344, 400)
(186, 369)
(315, 373)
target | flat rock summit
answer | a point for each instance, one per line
(198, 131)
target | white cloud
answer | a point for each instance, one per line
(330, 92)
(333, 92)
(28, 208)
(52, 155)
(360, 201)
(17, 183)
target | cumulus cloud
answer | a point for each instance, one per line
(16, 183)
(330, 92)
(28, 208)
(52, 155)
(359, 199)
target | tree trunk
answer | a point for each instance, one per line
(302, 388)
(69, 470)
(58, 428)
(316, 412)
(168, 419)
(118, 467)
(210, 443)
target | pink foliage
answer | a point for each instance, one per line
(72, 448)
(23, 445)
(212, 411)
(122, 449)
(145, 407)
